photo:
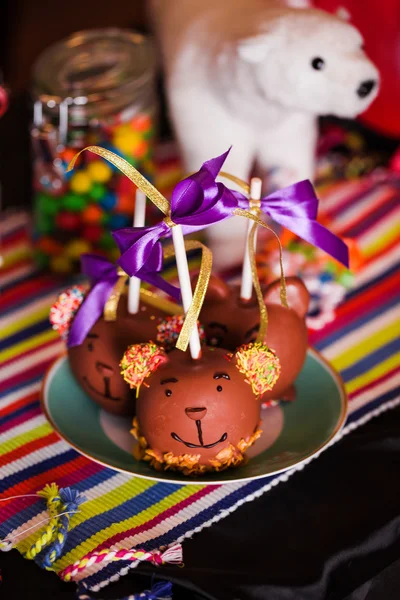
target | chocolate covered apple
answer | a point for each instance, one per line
(230, 321)
(198, 415)
(95, 362)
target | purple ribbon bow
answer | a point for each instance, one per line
(104, 276)
(295, 207)
(196, 202)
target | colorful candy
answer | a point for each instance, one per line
(99, 171)
(126, 204)
(67, 220)
(76, 247)
(73, 202)
(47, 205)
(125, 187)
(92, 214)
(90, 201)
(106, 241)
(108, 201)
(61, 264)
(140, 149)
(119, 221)
(80, 182)
(92, 233)
(141, 123)
(49, 246)
(98, 191)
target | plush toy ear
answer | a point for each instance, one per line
(140, 361)
(254, 49)
(168, 331)
(64, 309)
(260, 366)
(297, 295)
(343, 13)
(217, 290)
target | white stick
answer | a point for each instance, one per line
(185, 285)
(134, 282)
(246, 289)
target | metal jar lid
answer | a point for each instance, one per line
(96, 73)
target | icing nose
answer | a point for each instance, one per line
(104, 370)
(196, 413)
(365, 88)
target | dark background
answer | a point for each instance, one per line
(27, 27)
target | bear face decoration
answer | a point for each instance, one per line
(197, 415)
(230, 322)
(95, 362)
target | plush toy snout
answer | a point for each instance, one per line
(366, 87)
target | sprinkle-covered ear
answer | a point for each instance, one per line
(168, 331)
(139, 361)
(64, 309)
(260, 365)
(217, 289)
(297, 295)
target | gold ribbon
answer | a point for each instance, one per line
(111, 306)
(199, 292)
(141, 182)
(245, 186)
(163, 204)
(239, 212)
(150, 298)
(146, 296)
(254, 216)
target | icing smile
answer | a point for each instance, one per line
(106, 394)
(176, 437)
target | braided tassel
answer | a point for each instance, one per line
(172, 555)
(71, 499)
(51, 494)
(160, 591)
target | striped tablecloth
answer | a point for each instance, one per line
(121, 511)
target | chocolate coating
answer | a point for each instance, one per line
(197, 407)
(230, 322)
(95, 363)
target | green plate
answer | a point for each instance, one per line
(293, 432)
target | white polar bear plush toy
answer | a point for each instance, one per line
(256, 74)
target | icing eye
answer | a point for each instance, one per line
(219, 388)
(221, 376)
(90, 347)
(318, 63)
(168, 393)
(216, 341)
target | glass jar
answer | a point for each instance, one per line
(97, 87)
